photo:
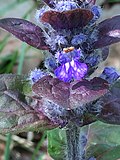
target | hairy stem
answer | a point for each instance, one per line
(76, 143)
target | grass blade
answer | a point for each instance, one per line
(38, 146)
(7, 148)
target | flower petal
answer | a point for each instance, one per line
(63, 72)
(79, 69)
(69, 70)
(67, 19)
(25, 31)
(109, 32)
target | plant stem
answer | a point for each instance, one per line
(75, 143)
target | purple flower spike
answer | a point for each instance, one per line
(66, 5)
(35, 75)
(69, 70)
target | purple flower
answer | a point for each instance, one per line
(70, 66)
(68, 54)
(96, 11)
(66, 5)
(50, 63)
(110, 74)
(71, 70)
(79, 39)
(35, 75)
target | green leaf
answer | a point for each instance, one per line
(57, 144)
(97, 149)
(8, 62)
(102, 139)
(111, 154)
(4, 42)
(15, 83)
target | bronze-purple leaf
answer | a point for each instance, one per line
(70, 95)
(86, 91)
(110, 109)
(67, 19)
(25, 31)
(109, 106)
(94, 84)
(108, 32)
(52, 89)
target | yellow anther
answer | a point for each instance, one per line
(69, 49)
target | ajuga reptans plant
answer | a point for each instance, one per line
(64, 93)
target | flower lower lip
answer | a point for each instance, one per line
(71, 70)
